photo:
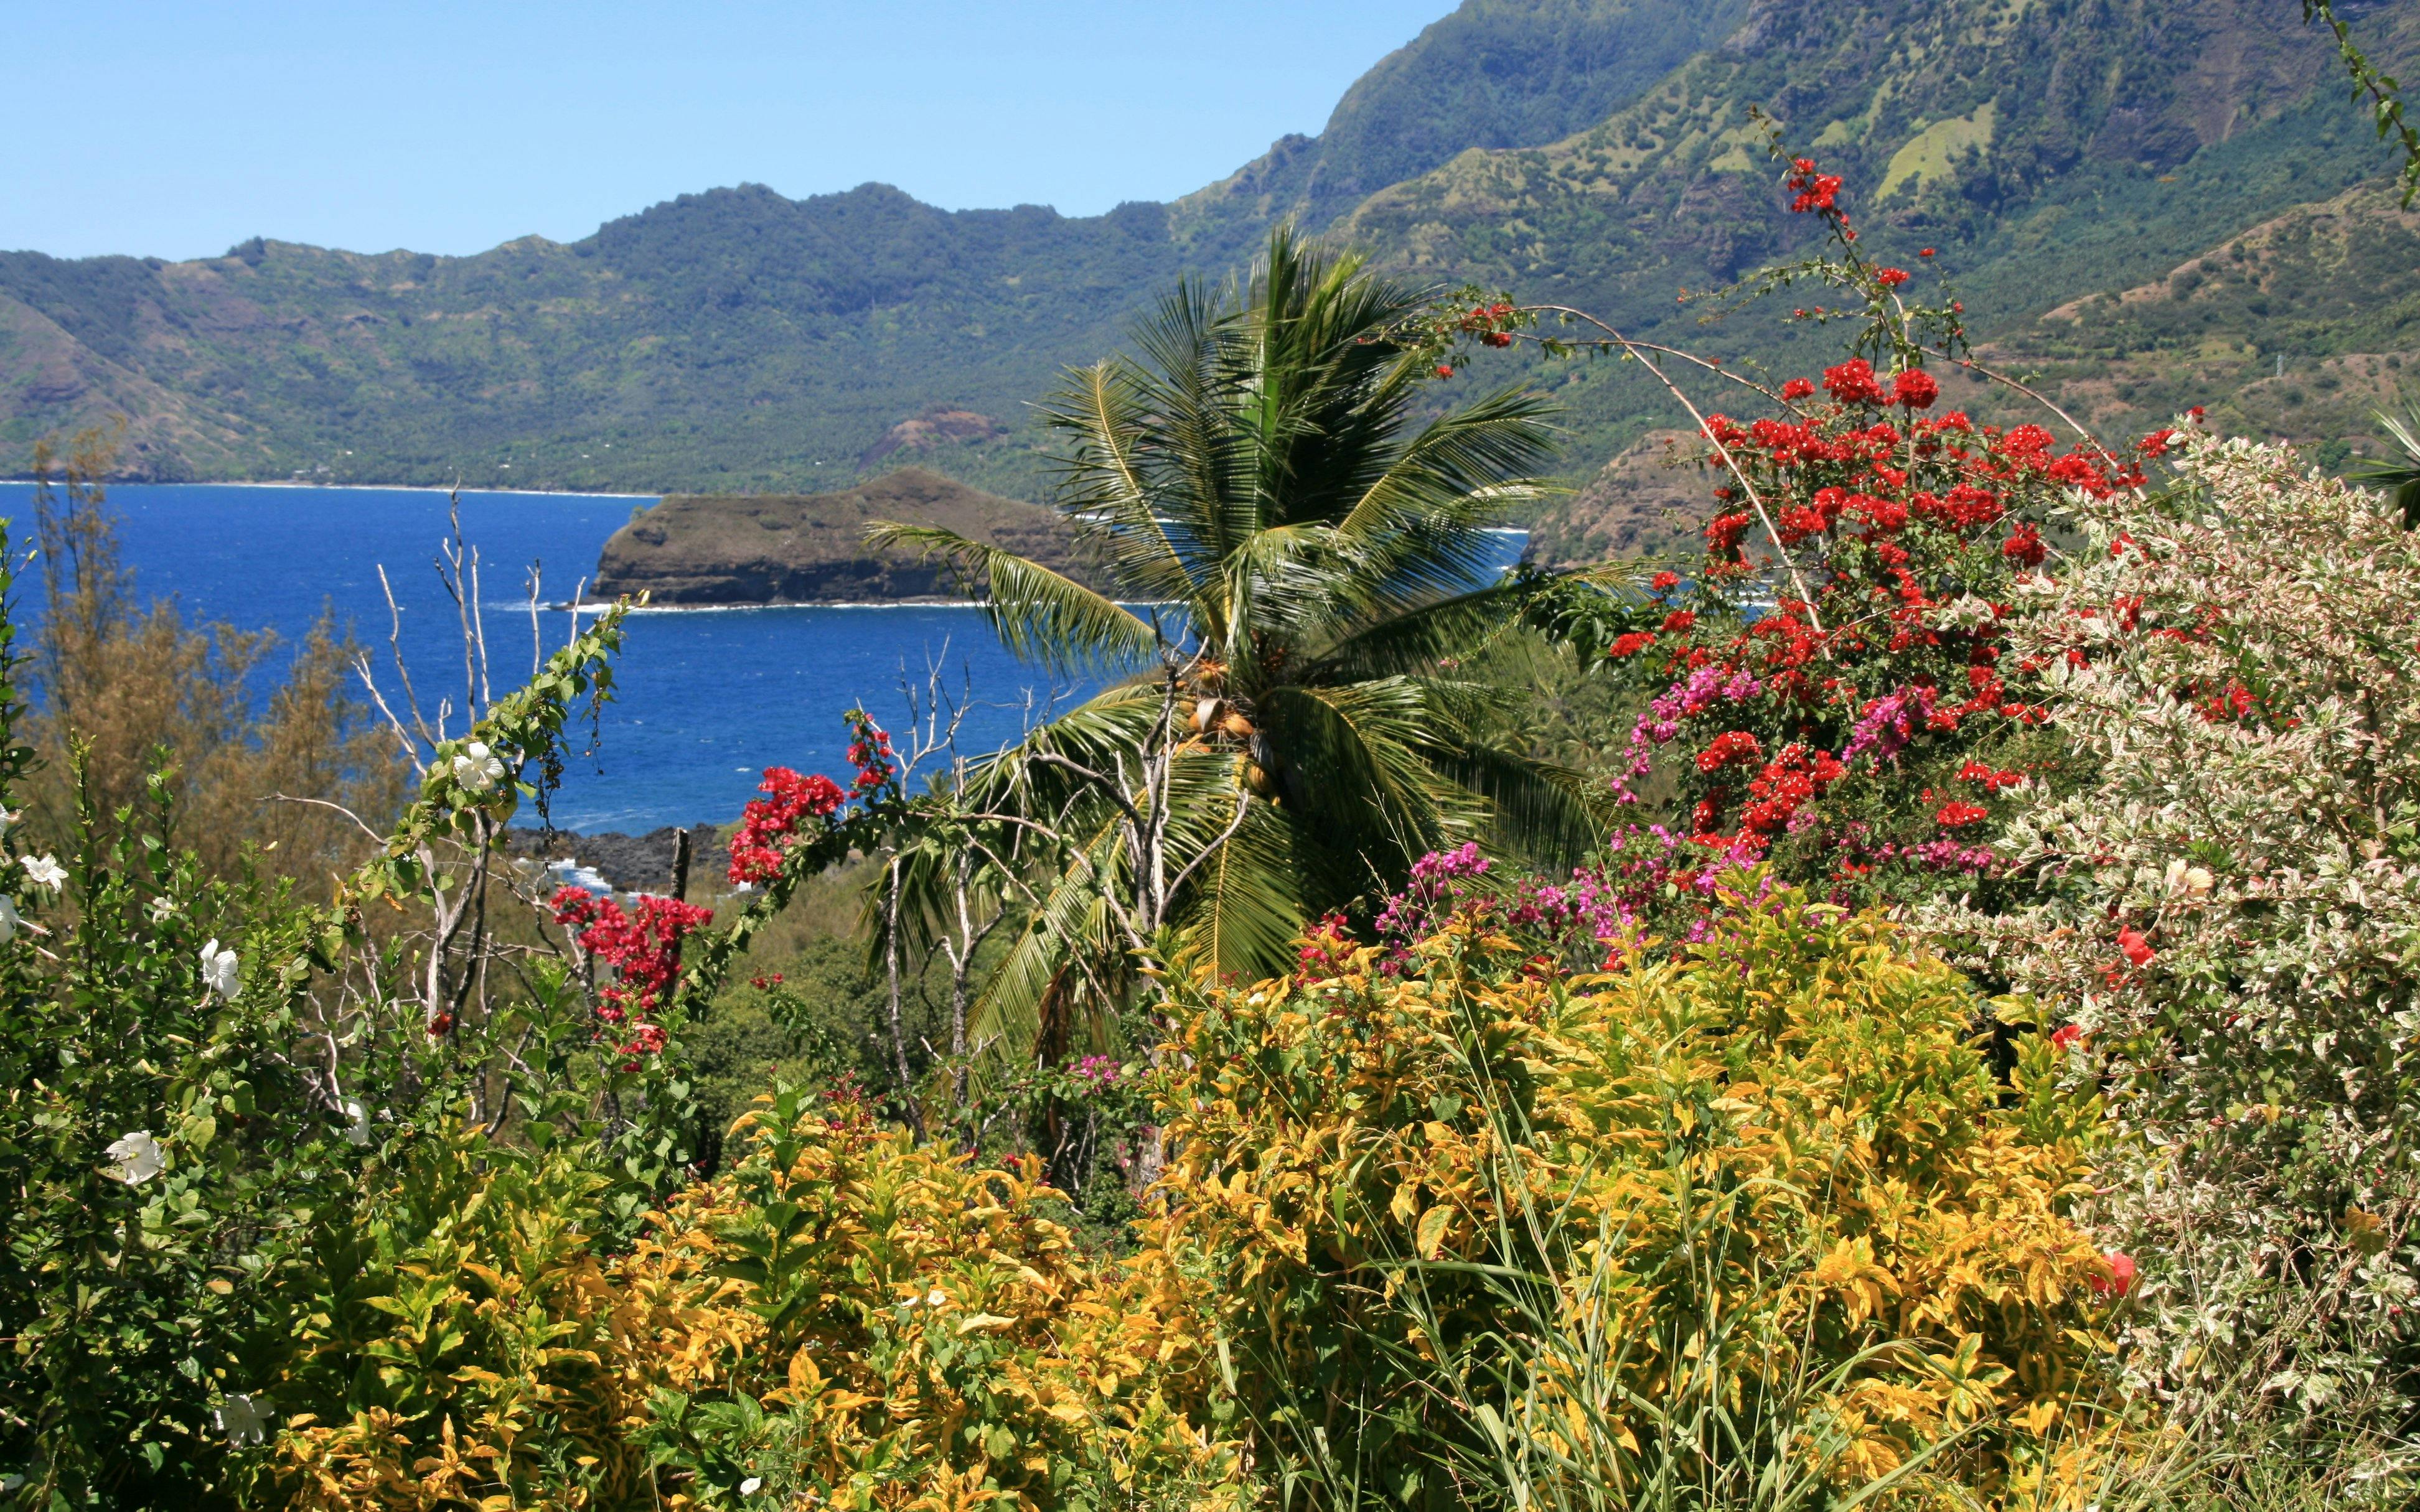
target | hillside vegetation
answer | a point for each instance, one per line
(1598, 152)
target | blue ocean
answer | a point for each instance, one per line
(705, 699)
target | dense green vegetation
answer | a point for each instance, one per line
(1973, 1065)
(1596, 151)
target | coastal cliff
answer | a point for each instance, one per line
(810, 549)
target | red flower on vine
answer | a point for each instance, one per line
(1853, 382)
(2136, 948)
(1730, 746)
(767, 825)
(1916, 389)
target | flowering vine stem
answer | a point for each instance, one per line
(1638, 351)
(1993, 376)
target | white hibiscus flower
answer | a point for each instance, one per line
(241, 1419)
(136, 1157)
(10, 918)
(478, 769)
(45, 871)
(219, 969)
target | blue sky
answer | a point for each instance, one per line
(177, 128)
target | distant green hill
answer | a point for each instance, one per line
(1597, 152)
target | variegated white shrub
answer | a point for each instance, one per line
(2229, 915)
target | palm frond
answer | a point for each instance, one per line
(1243, 906)
(1105, 484)
(1041, 615)
(2401, 481)
(1070, 945)
(1553, 814)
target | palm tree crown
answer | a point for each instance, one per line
(1307, 551)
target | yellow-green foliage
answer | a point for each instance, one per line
(844, 1318)
(915, 1329)
(1761, 1212)
(459, 1345)
(1469, 1207)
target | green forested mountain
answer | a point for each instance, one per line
(1596, 152)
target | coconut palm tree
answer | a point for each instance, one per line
(1298, 557)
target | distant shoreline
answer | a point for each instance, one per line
(367, 488)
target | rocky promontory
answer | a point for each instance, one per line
(810, 549)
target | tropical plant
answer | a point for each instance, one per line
(1757, 1227)
(1824, 689)
(2230, 912)
(1304, 551)
(2400, 478)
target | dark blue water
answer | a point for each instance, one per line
(705, 698)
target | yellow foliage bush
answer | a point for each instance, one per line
(1437, 1225)
(459, 1345)
(1762, 1206)
(844, 1319)
(880, 1325)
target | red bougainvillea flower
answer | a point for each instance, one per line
(2136, 948)
(1730, 746)
(1853, 382)
(870, 752)
(2024, 545)
(642, 945)
(1891, 277)
(766, 825)
(1958, 813)
(2066, 1037)
(2120, 1279)
(1924, 251)
(1679, 620)
(1664, 583)
(1816, 192)
(1797, 389)
(1631, 644)
(1444, 370)
(1915, 388)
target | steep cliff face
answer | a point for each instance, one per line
(810, 549)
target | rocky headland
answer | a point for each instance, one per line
(810, 549)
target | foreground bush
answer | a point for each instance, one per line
(844, 1319)
(2232, 913)
(1760, 1218)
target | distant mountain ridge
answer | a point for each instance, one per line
(1597, 152)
